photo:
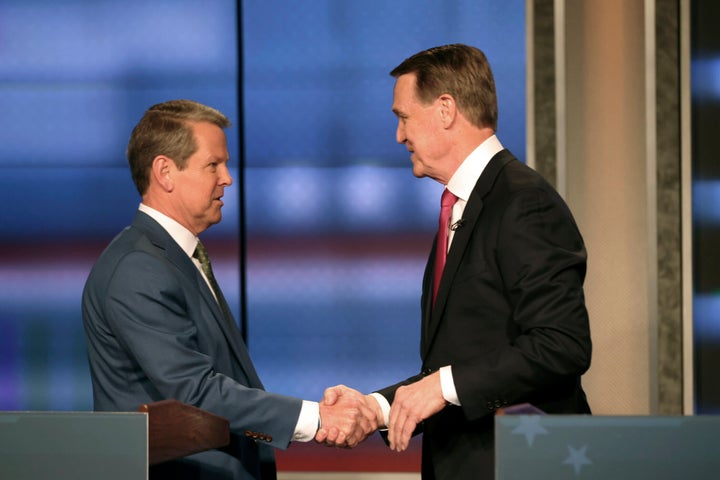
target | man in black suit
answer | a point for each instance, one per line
(504, 322)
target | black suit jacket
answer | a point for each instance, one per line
(510, 317)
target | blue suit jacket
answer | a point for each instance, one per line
(155, 331)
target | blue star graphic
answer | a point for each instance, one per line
(577, 458)
(530, 426)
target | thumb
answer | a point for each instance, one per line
(331, 395)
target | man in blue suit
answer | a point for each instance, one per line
(158, 326)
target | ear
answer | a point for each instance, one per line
(448, 109)
(161, 173)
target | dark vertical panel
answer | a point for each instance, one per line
(545, 103)
(705, 115)
(667, 204)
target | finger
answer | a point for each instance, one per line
(393, 424)
(392, 433)
(341, 438)
(357, 436)
(366, 427)
(405, 435)
(369, 420)
(360, 423)
(321, 435)
(399, 427)
(332, 437)
(359, 433)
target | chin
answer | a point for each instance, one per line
(418, 173)
(212, 221)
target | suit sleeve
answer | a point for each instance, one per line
(541, 330)
(151, 313)
(389, 392)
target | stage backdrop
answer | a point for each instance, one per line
(337, 228)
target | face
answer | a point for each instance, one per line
(419, 129)
(199, 187)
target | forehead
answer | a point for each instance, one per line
(209, 136)
(404, 92)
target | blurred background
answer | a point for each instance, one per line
(325, 232)
(337, 228)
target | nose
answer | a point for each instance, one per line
(225, 178)
(400, 133)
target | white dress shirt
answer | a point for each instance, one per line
(461, 184)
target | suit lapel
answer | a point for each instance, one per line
(223, 316)
(432, 316)
(426, 306)
(220, 310)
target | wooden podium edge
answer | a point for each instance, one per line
(176, 429)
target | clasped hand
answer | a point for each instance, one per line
(347, 417)
(413, 403)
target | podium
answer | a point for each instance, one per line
(73, 445)
(606, 447)
(176, 430)
(107, 445)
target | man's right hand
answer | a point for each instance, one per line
(347, 417)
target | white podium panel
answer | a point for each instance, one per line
(607, 447)
(73, 445)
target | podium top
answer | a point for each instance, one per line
(176, 429)
(73, 445)
(602, 447)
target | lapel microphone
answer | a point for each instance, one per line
(457, 225)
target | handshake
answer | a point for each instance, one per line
(348, 417)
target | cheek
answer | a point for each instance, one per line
(204, 188)
(421, 130)
(421, 139)
(197, 196)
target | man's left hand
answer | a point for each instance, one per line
(413, 403)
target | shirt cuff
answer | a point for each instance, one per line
(448, 386)
(385, 407)
(308, 422)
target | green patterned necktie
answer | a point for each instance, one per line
(202, 256)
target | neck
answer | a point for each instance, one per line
(466, 143)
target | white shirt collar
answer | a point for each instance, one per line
(466, 176)
(180, 234)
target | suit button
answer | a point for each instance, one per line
(248, 433)
(268, 438)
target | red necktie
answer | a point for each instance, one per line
(446, 203)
